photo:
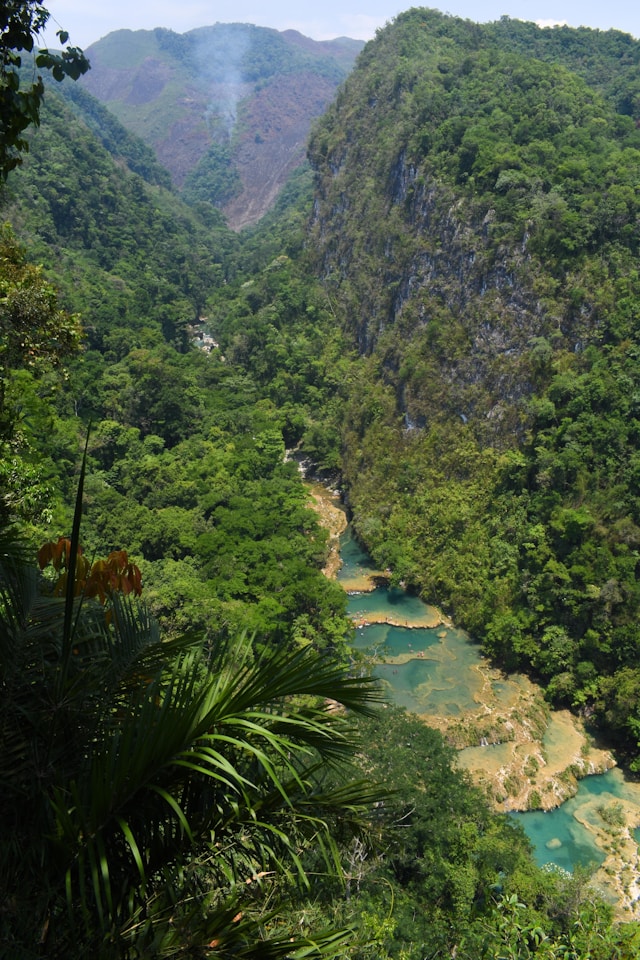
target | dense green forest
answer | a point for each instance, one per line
(486, 269)
(451, 334)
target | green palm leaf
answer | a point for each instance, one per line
(144, 784)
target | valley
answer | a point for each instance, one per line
(226, 109)
(232, 724)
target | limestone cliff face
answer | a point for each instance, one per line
(434, 218)
(435, 281)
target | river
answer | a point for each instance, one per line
(523, 754)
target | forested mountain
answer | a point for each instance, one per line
(191, 765)
(140, 267)
(477, 228)
(227, 108)
(449, 328)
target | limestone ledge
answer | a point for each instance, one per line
(523, 754)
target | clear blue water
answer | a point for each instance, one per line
(577, 846)
(558, 838)
(354, 559)
(443, 681)
(395, 641)
(389, 601)
(423, 687)
(440, 678)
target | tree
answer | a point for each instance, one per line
(35, 336)
(21, 22)
(157, 798)
(34, 331)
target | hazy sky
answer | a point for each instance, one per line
(89, 20)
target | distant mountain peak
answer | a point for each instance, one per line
(227, 108)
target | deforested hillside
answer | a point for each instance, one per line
(226, 108)
(477, 226)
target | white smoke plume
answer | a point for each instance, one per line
(220, 53)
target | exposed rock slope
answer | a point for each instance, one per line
(451, 219)
(226, 108)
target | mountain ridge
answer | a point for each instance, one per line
(227, 109)
(476, 225)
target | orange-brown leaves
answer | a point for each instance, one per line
(101, 579)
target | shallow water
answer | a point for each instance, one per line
(433, 671)
(394, 604)
(429, 670)
(423, 687)
(559, 838)
(490, 759)
(561, 740)
(354, 560)
(394, 641)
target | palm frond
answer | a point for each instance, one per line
(143, 783)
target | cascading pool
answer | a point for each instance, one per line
(434, 671)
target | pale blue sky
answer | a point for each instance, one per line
(89, 20)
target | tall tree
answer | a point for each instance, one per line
(21, 24)
(35, 336)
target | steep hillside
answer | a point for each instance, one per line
(186, 455)
(123, 145)
(477, 228)
(471, 183)
(227, 108)
(186, 469)
(127, 252)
